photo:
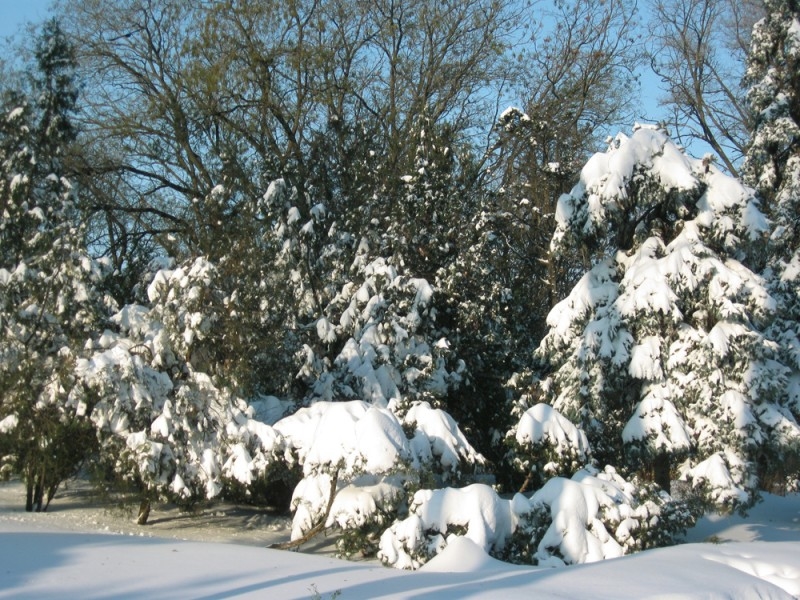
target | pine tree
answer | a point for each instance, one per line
(772, 166)
(165, 414)
(659, 353)
(48, 297)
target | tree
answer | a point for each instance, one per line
(163, 408)
(698, 50)
(50, 301)
(772, 167)
(198, 109)
(264, 84)
(660, 353)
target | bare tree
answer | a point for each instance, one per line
(698, 51)
(577, 82)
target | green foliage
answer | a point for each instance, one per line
(520, 548)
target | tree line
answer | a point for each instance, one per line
(330, 200)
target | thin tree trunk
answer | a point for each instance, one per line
(38, 492)
(51, 492)
(29, 494)
(524, 487)
(144, 511)
(662, 472)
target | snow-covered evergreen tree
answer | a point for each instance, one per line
(772, 166)
(378, 341)
(49, 302)
(165, 421)
(659, 352)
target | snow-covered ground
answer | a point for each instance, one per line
(85, 548)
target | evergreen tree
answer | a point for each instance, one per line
(772, 166)
(49, 301)
(659, 353)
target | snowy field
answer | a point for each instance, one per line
(84, 548)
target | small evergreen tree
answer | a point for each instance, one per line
(166, 420)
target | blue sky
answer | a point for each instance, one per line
(15, 14)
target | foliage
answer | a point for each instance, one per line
(49, 297)
(663, 340)
(772, 166)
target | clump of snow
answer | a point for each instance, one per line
(658, 423)
(721, 474)
(545, 443)
(268, 409)
(463, 555)
(9, 423)
(347, 436)
(438, 439)
(543, 424)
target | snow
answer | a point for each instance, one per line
(717, 473)
(347, 435)
(87, 551)
(487, 520)
(542, 424)
(657, 420)
(9, 423)
(575, 535)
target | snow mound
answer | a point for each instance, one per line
(439, 516)
(463, 555)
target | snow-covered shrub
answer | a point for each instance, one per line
(660, 351)
(544, 444)
(598, 514)
(592, 516)
(364, 455)
(475, 511)
(164, 426)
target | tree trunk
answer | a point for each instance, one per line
(319, 526)
(662, 471)
(144, 512)
(29, 494)
(51, 492)
(38, 492)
